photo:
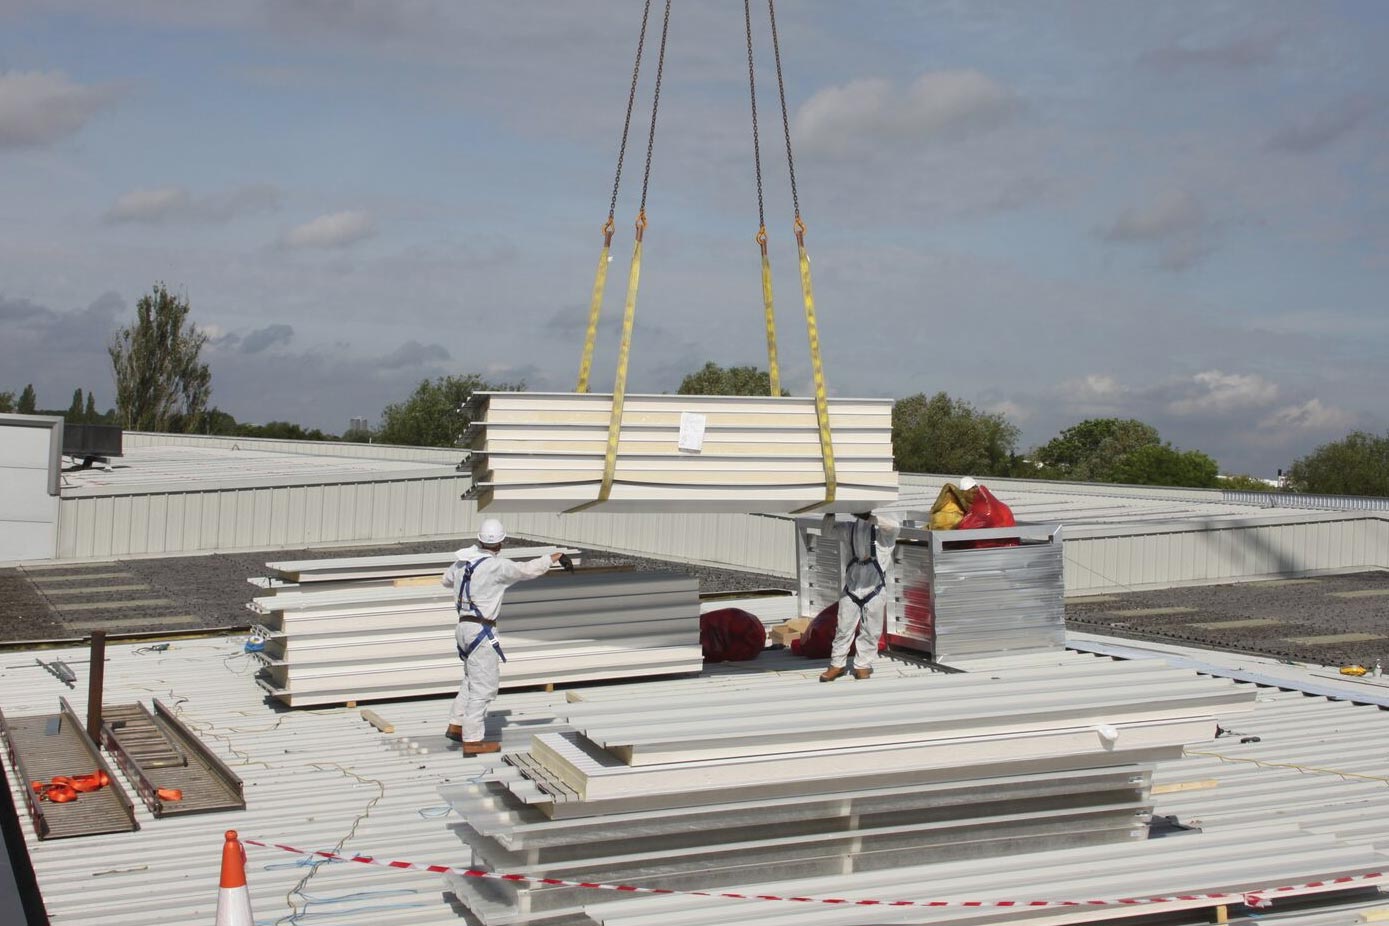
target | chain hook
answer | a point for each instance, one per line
(641, 223)
(608, 228)
(761, 239)
(800, 230)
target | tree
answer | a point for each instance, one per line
(89, 414)
(713, 379)
(1090, 451)
(1164, 465)
(74, 413)
(160, 383)
(1357, 464)
(945, 435)
(433, 416)
(1243, 482)
(28, 400)
(6, 401)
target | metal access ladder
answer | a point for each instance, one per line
(160, 755)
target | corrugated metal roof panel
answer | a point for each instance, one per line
(316, 779)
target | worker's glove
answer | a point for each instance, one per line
(566, 563)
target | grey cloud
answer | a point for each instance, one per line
(176, 204)
(18, 310)
(1320, 129)
(265, 338)
(1175, 223)
(1243, 53)
(414, 354)
(41, 107)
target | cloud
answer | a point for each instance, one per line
(1320, 129)
(39, 108)
(1311, 415)
(938, 106)
(1244, 53)
(335, 230)
(265, 338)
(17, 310)
(176, 204)
(414, 354)
(1174, 222)
(1215, 393)
(1094, 388)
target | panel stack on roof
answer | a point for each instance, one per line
(546, 452)
(338, 641)
(663, 792)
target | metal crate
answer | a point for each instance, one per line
(950, 602)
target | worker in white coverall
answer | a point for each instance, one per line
(865, 553)
(479, 578)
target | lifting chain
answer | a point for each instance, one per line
(769, 312)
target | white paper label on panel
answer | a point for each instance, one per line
(691, 432)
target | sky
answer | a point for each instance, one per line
(1051, 209)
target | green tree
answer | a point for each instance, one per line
(1357, 464)
(713, 379)
(1092, 450)
(434, 415)
(160, 383)
(6, 401)
(945, 435)
(89, 414)
(74, 413)
(28, 400)
(1164, 465)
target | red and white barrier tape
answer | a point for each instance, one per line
(1257, 898)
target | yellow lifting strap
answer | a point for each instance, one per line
(600, 279)
(773, 370)
(624, 351)
(822, 411)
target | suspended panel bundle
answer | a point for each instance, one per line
(549, 452)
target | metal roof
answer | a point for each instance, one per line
(1306, 796)
(144, 469)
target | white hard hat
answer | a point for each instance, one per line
(491, 532)
(968, 483)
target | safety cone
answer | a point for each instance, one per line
(233, 900)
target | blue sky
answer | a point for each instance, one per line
(1057, 210)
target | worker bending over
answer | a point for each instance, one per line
(865, 552)
(480, 577)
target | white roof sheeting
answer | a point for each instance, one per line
(315, 779)
(147, 469)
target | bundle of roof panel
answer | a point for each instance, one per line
(375, 642)
(816, 780)
(547, 452)
(290, 576)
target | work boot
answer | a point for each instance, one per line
(832, 673)
(454, 732)
(862, 673)
(481, 747)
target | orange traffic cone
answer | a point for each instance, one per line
(233, 900)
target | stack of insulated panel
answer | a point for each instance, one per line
(547, 451)
(372, 643)
(789, 781)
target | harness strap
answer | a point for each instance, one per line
(872, 558)
(489, 635)
(466, 588)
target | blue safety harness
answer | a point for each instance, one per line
(871, 558)
(488, 634)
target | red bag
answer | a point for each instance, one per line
(986, 511)
(815, 643)
(731, 635)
